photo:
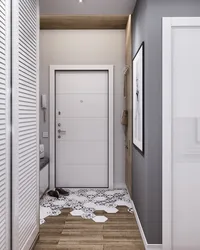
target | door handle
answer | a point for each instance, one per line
(61, 131)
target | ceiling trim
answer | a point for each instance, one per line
(83, 22)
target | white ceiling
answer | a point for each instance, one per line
(88, 7)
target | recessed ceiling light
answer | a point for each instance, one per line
(80, 1)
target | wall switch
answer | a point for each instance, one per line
(45, 135)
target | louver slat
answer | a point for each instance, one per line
(4, 125)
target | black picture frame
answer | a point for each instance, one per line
(138, 93)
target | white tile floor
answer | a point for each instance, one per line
(77, 213)
(100, 219)
(111, 210)
(84, 202)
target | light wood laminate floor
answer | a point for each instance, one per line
(66, 232)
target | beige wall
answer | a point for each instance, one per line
(129, 107)
(87, 47)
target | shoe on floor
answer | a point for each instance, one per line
(53, 193)
(62, 191)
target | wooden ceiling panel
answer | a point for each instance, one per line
(83, 22)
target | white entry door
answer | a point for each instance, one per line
(181, 134)
(81, 128)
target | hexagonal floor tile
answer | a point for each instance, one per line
(89, 204)
(123, 203)
(100, 208)
(42, 221)
(72, 197)
(100, 219)
(59, 202)
(88, 216)
(91, 192)
(55, 212)
(120, 191)
(110, 192)
(77, 213)
(100, 198)
(131, 210)
(129, 205)
(81, 198)
(45, 212)
(111, 210)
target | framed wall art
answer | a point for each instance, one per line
(138, 99)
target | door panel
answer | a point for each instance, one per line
(83, 176)
(82, 152)
(186, 147)
(82, 105)
(88, 83)
(82, 129)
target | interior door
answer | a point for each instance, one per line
(186, 141)
(82, 129)
(184, 106)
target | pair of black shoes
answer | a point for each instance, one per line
(56, 193)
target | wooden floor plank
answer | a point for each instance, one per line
(66, 232)
(124, 247)
(80, 247)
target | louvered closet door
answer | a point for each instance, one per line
(25, 158)
(4, 124)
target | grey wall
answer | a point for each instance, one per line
(147, 169)
(90, 47)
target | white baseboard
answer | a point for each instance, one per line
(120, 185)
(146, 245)
(153, 247)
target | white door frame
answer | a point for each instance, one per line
(53, 69)
(168, 24)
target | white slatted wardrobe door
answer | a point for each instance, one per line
(25, 123)
(4, 125)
